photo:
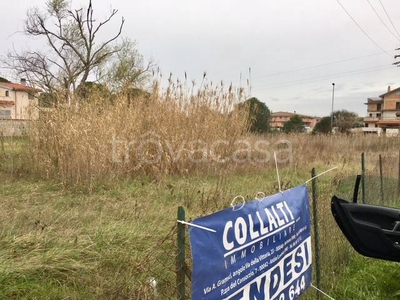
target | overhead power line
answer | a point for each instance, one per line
(319, 78)
(376, 13)
(365, 33)
(384, 9)
(318, 66)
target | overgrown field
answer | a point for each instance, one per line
(63, 244)
(84, 218)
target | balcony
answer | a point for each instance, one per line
(371, 119)
(6, 103)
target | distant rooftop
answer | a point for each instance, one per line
(289, 114)
(389, 91)
(375, 98)
(18, 87)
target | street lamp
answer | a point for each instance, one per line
(333, 99)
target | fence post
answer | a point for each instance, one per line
(2, 143)
(315, 225)
(363, 176)
(381, 176)
(398, 177)
(180, 258)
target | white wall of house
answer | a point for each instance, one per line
(7, 110)
(371, 130)
(389, 115)
(392, 132)
(27, 106)
(375, 114)
(24, 107)
(14, 127)
(4, 96)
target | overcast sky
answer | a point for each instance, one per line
(295, 49)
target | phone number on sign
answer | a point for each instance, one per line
(295, 290)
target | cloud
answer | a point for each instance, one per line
(294, 53)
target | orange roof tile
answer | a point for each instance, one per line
(290, 114)
(19, 87)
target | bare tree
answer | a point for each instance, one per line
(74, 52)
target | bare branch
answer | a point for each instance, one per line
(74, 52)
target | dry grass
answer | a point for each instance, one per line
(107, 244)
(172, 131)
(156, 135)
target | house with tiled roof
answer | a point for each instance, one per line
(278, 119)
(383, 113)
(18, 101)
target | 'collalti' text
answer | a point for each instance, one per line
(244, 230)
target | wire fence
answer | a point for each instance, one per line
(380, 182)
(160, 280)
(169, 263)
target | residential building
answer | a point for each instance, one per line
(383, 113)
(18, 101)
(278, 119)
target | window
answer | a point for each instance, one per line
(378, 107)
(5, 114)
(370, 115)
(378, 115)
(7, 94)
(397, 105)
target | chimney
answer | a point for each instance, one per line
(23, 81)
(388, 89)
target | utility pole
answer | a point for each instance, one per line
(397, 63)
(333, 100)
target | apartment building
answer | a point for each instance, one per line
(278, 119)
(383, 113)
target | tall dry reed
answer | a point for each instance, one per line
(175, 131)
(168, 132)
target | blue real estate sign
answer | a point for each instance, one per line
(261, 251)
